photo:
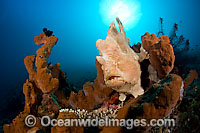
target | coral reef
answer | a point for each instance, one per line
(117, 91)
(48, 107)
(106, 110)
(90, 97)
(188, 111)
(156, 103)
(45, 79)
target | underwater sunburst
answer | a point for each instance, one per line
(127, 10)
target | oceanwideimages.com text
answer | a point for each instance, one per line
(46, 121)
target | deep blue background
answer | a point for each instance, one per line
(78, 25)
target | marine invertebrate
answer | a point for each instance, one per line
(48, 33)
(190, 78)
(45, 76)
(30, 96)
(161, 53)
(114, 98)
(48, 106)
(90, 97)
(119, 63)
(188, 111)
(156, 103)
(106, 110)
(118, 68)
(66, 129)
(18, 124)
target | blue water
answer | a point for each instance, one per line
(78, 24)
